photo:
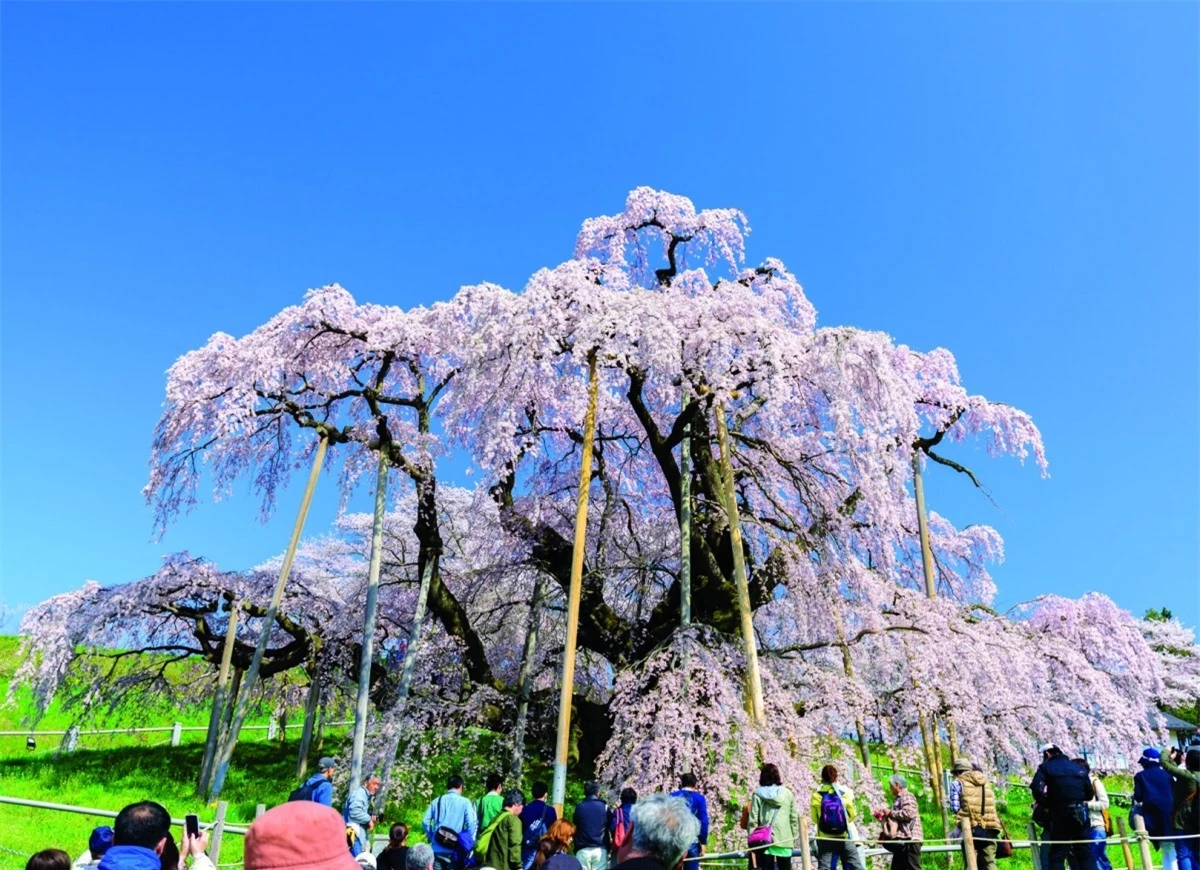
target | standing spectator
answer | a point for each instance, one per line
(492, 803)
(591, 829)
(455, 813)
(620, 824)
(773, 804)
(140, 834)
(1187, 812)
(298, 834)
(1064, 789)
(357, 813)
(1097, 811)
(907, 816)
(420, 857)
(395, 854)
(833, 813)
(699, 807)
(319, 786)
(536, 819)
(663, 829)
(974, 804)
(554, 849)
(49, 859)
(98, 844)
(1154, 794)
(504, 848)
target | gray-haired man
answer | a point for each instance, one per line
(663, 829)
(420, 857)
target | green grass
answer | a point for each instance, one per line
(110, 771)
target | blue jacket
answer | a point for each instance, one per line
(591, 823)
(699, 808)
(453, 811)
(626, 813)
(1153, 789)
(322, 789)
(130, 858)
(536, 811)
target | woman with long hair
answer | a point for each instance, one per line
(395, 853)
(554, 849)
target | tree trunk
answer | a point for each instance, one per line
(216, 717)
(239, 714)
(525, 678)
(311, 703)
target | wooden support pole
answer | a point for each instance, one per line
(367, 655)
(1139, 829)
(756, 706)
(968, 848)
(311, 703)
(525, 677)
(567, 688)
(1035, 847)
(218, 830)
(923, 527)
(264, 637)
(1123, 832)
(805, 847)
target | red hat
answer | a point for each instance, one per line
(298, 835)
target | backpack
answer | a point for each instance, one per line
(305, 792)
(833, 814)
(485, 838)
(622, 828)
(536, 831)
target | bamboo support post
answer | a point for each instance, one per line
(367, 653)
(567, 688)
(753, 680)
(243, 703)
(1139, 828)
(1123, 831)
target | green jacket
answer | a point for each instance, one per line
(504, 849)
(775, 805)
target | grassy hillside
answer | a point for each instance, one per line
(109, 772)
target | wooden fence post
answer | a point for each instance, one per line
(70, 740)
(272, 728)
(218, 828)
(805, 849)
(1139, 827)
(1125, 850)
(968, 848)
(259, 810)
(176, 733)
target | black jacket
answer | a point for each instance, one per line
(1060, 784)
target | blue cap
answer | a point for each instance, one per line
(1150, 756)
(101, 839)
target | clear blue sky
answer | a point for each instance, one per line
(1017, 182)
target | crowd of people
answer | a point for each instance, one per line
(501, 831)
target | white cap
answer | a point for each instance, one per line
(1046, 747)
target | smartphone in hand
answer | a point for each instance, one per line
(191, 824)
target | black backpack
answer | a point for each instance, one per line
(304, 792)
